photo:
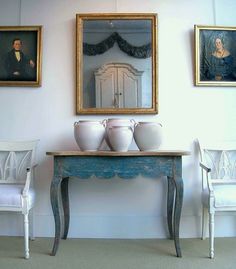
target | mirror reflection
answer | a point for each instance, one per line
(117, 65)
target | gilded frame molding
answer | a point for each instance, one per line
(79, 63)
(31, 40)
(215, 64)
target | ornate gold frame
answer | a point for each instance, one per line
(198, 62)
(23, 29)
(79, 63)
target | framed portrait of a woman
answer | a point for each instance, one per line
(215, 56)
(20, 56)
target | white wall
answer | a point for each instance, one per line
(116, 208)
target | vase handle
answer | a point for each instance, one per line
(133, 122)
(104, 122)
(131, 128)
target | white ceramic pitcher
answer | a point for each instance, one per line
(120, 137)
(148, 135)
(116, 122)
(89, 134)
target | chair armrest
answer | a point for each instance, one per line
(27, 183)
(207, 170)
(223, 182)
(203, 166)
(34, 165)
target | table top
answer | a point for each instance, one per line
(116, 153)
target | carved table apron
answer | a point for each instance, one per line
(107, 164)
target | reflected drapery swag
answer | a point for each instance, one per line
(141, 52)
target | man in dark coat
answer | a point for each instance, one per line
(17, 64)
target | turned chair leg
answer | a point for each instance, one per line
(204, 222)
(26, 228)
(211, 235)
(31, 225)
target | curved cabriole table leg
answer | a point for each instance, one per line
(54, 195)
(177, 213)
(66, 205)
(170, 205)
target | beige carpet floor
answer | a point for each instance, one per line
(117, 254)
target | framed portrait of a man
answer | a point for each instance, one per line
(215, 56)
(20, 56)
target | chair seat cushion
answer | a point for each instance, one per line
(11, 195)
(225, 196)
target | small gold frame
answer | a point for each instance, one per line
(215, 56)
(28, 72)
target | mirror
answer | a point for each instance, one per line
(116, 63)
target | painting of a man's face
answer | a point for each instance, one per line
(17, 44)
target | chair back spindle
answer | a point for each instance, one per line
(15, 161)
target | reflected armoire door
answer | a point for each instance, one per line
(118, 85)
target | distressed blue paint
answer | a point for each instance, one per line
(123, 167)
(126, 167)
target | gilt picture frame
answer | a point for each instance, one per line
(112, 50)
(20, 56)
(215, 56)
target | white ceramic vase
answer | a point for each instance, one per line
(120, 137)
(89, 134)
(148, 135)
(116, 122)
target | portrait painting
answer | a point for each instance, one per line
(215, 56)
(20, 56)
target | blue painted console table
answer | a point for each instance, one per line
(107, 164)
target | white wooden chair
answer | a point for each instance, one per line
(16, 192)
(218, 165)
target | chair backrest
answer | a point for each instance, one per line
(15, 158)
(220, 156)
